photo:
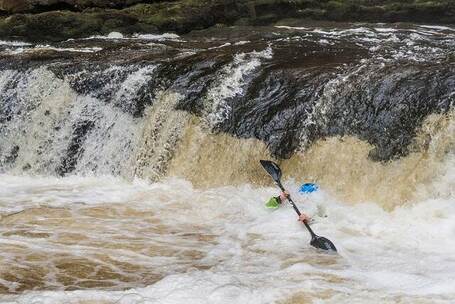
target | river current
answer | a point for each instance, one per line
(129, 166)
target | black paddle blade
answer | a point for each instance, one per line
(273, 169)
(323, 243)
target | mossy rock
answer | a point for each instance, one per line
(57, 26)
(182, 16)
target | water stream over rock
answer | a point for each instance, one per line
(129, 166)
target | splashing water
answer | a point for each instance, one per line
(135, 179)
(171, 242)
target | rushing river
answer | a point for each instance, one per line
(129, 166)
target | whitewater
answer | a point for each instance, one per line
(219, 245)
(134, 176)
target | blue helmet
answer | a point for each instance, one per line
(308, 188)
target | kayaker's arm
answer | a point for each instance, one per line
(275, 202)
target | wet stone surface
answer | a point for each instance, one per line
(287, 86)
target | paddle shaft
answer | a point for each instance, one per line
(313, 235)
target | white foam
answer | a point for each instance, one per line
(385, 30)
(14, 43)
(156, 37)
(438, 27)
(242, 42)
(115, 35)
(262, 256)
(39, 47)
(231, 83)
(292, 27)
(324, 41)
(57, 49)
(119, 36)
(220, 46)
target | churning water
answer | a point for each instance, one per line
(129, 166)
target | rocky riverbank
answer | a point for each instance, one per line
(57, 20)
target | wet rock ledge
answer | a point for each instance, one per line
(57, 20)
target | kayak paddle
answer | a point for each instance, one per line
(316, 241)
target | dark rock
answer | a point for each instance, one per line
(57, 26)
(22, 6)
(13, 155)
(15, 6)
(75, 148)
(88, 17)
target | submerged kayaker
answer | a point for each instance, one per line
(275, 202)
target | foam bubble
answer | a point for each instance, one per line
(115, 35)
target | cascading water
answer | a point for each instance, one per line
(129, 166)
